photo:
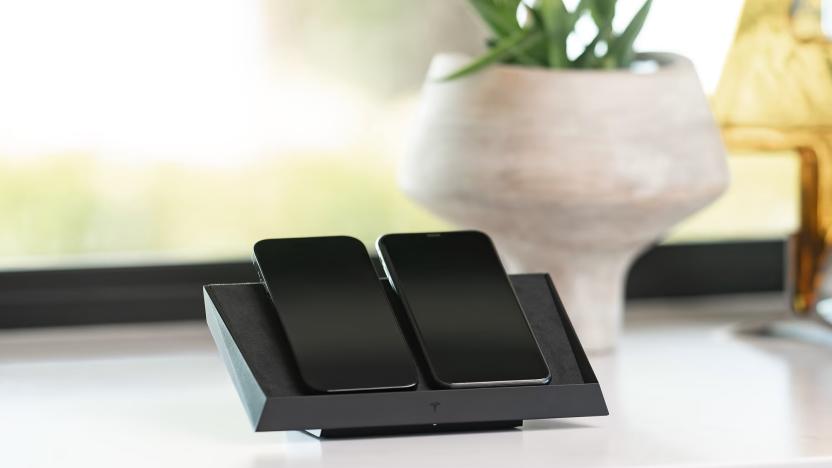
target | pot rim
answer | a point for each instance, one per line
(667, 62)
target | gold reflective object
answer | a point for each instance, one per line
(775, 94)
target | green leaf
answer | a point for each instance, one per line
(602, 11)
(517, 42)
(558, 23)
(542, 42)
(575, 15)
(554, 18)
(588, 59)
(620, 50)
(536, 23)
(499, 15)
(517, 56)
(523, 58)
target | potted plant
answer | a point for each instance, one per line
(572, 162)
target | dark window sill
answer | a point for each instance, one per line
(128, 294)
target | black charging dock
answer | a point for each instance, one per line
(252, 343)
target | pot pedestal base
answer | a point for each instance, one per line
(590, 282)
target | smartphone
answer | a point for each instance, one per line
(465, 314)
(338, 321)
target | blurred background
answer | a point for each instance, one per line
(183, 131)
(146, 145)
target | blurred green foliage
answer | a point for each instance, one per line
(75, 205)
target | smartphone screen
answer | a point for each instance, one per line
(464, 312)
(339, 323)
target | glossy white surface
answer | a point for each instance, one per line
(683, 390)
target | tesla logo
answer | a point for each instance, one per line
(434, 405)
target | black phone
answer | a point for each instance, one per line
(465, 314)
(338, 321)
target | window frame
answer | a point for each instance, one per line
(173, 292)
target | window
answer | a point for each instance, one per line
(138, 132)
(142, 131)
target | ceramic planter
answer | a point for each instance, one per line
(571, 172)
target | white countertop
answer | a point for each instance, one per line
(683, 390)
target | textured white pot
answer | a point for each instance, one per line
(570, 172)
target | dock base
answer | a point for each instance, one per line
(414, 429)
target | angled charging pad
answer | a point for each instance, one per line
(253, 346)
